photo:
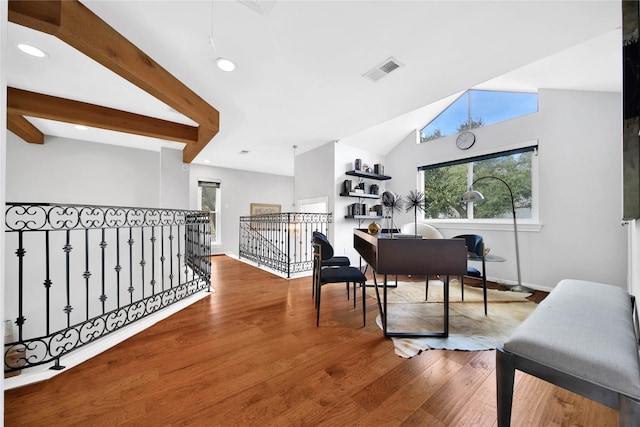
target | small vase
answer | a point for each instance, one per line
(374, 228)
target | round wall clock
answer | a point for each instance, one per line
(465, 140)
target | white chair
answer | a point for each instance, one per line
(424, 230)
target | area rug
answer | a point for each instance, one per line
(469, 328)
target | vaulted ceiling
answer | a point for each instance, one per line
(300, 70)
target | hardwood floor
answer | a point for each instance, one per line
(250, 354)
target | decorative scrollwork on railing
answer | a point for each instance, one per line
(281, 241)
(31, 217)
(42, 350)
(102, 268)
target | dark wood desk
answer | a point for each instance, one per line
(411, 256)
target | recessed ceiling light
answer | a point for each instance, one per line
(81, 127)
(207, 161)
(31, 50)
(225, 64)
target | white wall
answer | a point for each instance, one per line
(581, 237)
(72, 171)
(239, 189)
(174, 180)
(314, 171)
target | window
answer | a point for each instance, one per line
(445, 183)
(477, 108)
(209, 198)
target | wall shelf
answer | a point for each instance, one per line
(369, 175)
(361, 195)
(362, 217)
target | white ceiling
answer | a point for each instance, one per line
(299, 77)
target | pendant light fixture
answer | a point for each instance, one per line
(225, 64)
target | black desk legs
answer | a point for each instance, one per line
(383, 309)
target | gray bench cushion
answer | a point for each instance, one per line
(584, 329)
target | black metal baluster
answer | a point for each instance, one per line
(179, 277)
(47, 281)
(186, 266)
(288, 243)
(153, 260)
(171, 255)
(87, 274)
(118, 267)
(130, 243)
(67, 248)
(142, 261)
(20, 252)
(162, 256)
(103, 247)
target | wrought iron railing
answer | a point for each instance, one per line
(282, 241)
(77, 273)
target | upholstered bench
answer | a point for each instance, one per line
(583, 338)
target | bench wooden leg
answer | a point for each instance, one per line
(505, 374)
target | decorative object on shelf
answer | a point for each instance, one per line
(374, 228)
(361, 189)
(357, 209)
(415, 201)
(465, 140)
(473, 196)
(378, 169)
(393, 203)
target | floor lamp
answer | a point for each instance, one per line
(473, 196)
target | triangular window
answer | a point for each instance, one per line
(477, 108)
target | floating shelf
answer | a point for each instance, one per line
(361, 195)
(362, 217)
(370, 175)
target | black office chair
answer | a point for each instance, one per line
(332, 261)
(475, 248)
(324, 275)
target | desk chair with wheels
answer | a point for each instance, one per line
(326, 275)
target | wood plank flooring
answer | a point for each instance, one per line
(250, 354)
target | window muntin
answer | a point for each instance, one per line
(444, 184)
(477, 108)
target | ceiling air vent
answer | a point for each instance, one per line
(381, 70)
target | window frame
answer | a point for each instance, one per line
(468, 125)
(524, 224)
(217, 212)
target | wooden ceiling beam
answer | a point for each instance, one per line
(76, 25)
(24, 129)
(25, 103)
